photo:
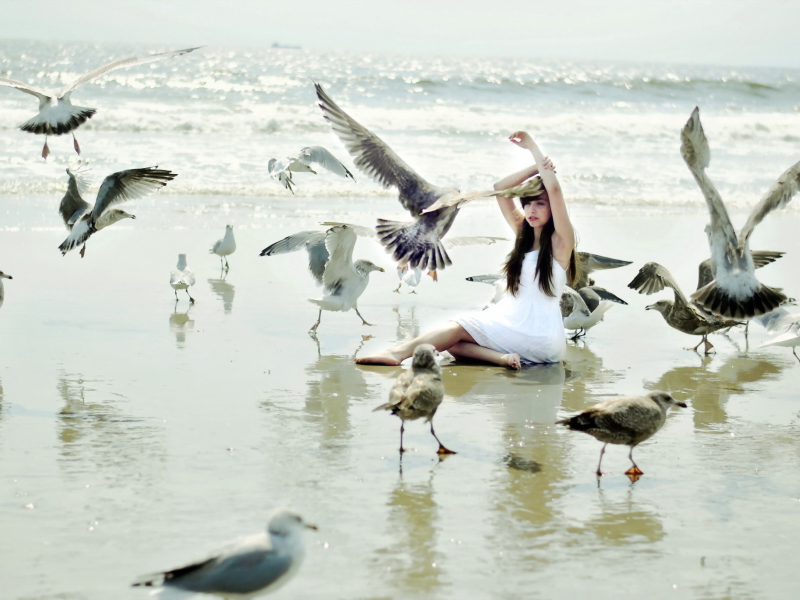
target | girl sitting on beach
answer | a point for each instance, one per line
(525, 326)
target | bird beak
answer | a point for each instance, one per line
(310, 526)
(133, 216)
(382, 270)
(681, 404)
(649, 307)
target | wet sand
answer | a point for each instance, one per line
(137, 435)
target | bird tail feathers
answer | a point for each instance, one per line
(721, 302)
(404, 243)
(58, 120)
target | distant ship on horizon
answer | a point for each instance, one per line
(280, 46)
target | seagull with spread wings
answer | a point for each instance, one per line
(57, 115)
(331, 264)
(302, 162)
(83, 220)
(583, 308)
(417, 243)
(735, 292)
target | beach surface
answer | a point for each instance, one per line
(138, 435)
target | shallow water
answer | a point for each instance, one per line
(137, 435)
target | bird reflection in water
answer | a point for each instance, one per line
(407, 323)
(180, 324)
(624, 522)
(225, 291)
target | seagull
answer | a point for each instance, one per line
(589, 263)
(734, 292)
(682, 314)
(246, 568)
(331, 264)
(628, 420)
(780, 321)
(224, 247)
(57, 115)
(118, 187)
(584, 308)
(2, 289)
(497, 281)
(182, 278)
(417, 243)
(418, 392)
(301, 163)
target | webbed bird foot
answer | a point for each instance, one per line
(83, 251)
(634, 471)
(45, 150)
(75, 144)
(444, 451)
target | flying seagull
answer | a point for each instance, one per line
(182, 278)
(628, 420)
(417, 243)
(224, 247)
(418, 392)
(83, 221)
(57, 115)
(247, 567)
(2, 289)
(302, 162)
(735, 292)
(331, 264)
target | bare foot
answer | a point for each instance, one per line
(512, 361)
(380, 358)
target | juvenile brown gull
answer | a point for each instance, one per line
(418, 392)
(735, 292)
(57, 115)
(2, 289)
(182, 278)
(628, 420)
(248, 567)
(224, 247)
(118, 187)
(417, 243)
(331, 264)
(302, 162)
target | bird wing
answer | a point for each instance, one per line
(339, 241)
(778, 320)
(778, 195)
(118, 64)
(456, 198)
(322, 156)
(593, 296)
(652, 278)
(72, 204)
(312, 241)
(571, 301)
(471, 240)
(375, 158)
(24, 87)
(423, 394)
(359, 230)
(628, 416)
(129, 185)
(594, 262)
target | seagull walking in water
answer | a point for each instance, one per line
(57, 115)
(735, 292)
(302, 162)
(628, 420)
(224, 247)
(418, 392)
(417, 243)
(248, 567)
(2, 289)
(182, 278)
(331, 263)
(83, 220)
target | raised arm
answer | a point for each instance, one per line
(564, 236)
(512, 214)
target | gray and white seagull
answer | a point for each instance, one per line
(83, 220)
(417, 243)
(57, 115)
(735, 292)
(302, 162)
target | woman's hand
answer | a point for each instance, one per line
(521, 139)
(548, 165)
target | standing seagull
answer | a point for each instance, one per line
(301, 163)
(57, 115)
(182, 278)
(628, 420)
(735, 292)
(224, 247)
(247, 567)
(418, 392)
(418, 243)
(2, 289)
(584, 308)
(117, 187)
(331, 263)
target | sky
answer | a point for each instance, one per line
(715, 32)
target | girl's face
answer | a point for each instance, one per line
(537, 212)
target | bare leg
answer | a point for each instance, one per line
(191, 300)
(319, 318)
(634, 470)
(477, 352)
(442, 338)
(602, 451)
(442, 449)
(363, 320)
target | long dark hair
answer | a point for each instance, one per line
(526, 236)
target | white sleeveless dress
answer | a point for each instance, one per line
(529, 323)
